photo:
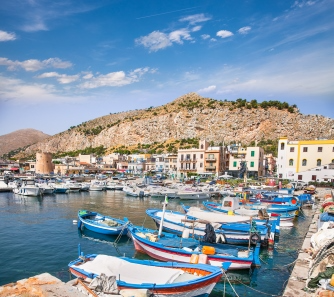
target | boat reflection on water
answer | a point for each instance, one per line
(109, 239)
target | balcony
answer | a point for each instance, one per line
(211, 159)
(188, 160)
(210, 167)
(188, 169)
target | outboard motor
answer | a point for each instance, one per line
(141, 194)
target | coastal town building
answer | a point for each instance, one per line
(252, 156)
(295, 157)
(44, 163)
(204, 160)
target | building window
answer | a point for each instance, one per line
(188, 157)
(234, 163)
(282, 146)
(32, 166)
(304, 162)
(201, 165)
(252, 153)
(305, 149)
(292, 149)
(211, 156)
(194, 156)
(181, 165)
(291, 162)
(202, 146)
(332, 161)
(280, 175)
(201, 156)
(181, 157)
(300, 177)
(320, 149)
(314, 177)
(318, 162)
(194, 166)
(251, 164)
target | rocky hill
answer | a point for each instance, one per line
(191, 116)
(20, 138)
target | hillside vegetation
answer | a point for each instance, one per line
(166, 128)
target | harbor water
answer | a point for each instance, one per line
(39, 234)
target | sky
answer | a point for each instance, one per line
(69, 61)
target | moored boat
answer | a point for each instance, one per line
(99, 223)
(159, 278)
(170, 247)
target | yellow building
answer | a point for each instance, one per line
(298, 156)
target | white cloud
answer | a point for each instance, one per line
(62, 78)
(178, 35)
(196, 28)
(195, 18)
(244, 30)
(5, 36)
(157, 40)
(207, 89)
(205, 36)
(224, 33)
(34, 65)
(115, 79)
(16, 90)
(213, 39)
(154, 41)
(88, 75)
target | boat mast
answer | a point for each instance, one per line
(163, 214)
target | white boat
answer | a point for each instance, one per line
(97, 185)
(162, 192)
(72, 186)
(47, 189)
(135, 192)
(189, 194)
(28, 189)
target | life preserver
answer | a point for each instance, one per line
(255, 238)
(293, 201)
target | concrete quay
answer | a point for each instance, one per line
(296, 285)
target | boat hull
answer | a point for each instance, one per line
(198, 286)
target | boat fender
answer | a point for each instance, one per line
(221, 238)
(293, 201)
(255, 238)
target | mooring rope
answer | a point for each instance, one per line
(256, 290)
(230, 284)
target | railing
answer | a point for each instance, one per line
(211, 159)
(188, 160)
(210, 167)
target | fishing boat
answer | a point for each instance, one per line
(99, 223)
(170, 247)
(179, 223)
(285, 212)
(162, 279)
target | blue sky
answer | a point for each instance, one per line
(65, 62)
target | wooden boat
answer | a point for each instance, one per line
(163, 279)
(170, 247)
(101, 224)
(285, 212)
(178, 223)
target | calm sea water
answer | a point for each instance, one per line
(38, 235)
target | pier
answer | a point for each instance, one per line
(296, 285)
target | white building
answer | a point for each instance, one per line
(253, 156)
(324, 173)
(300, 156)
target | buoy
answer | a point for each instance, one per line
(75, 221)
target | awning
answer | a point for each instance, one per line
(15, 168)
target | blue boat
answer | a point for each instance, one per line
(180, 224)
(162, 279)
(170, 247)
(99, 223)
